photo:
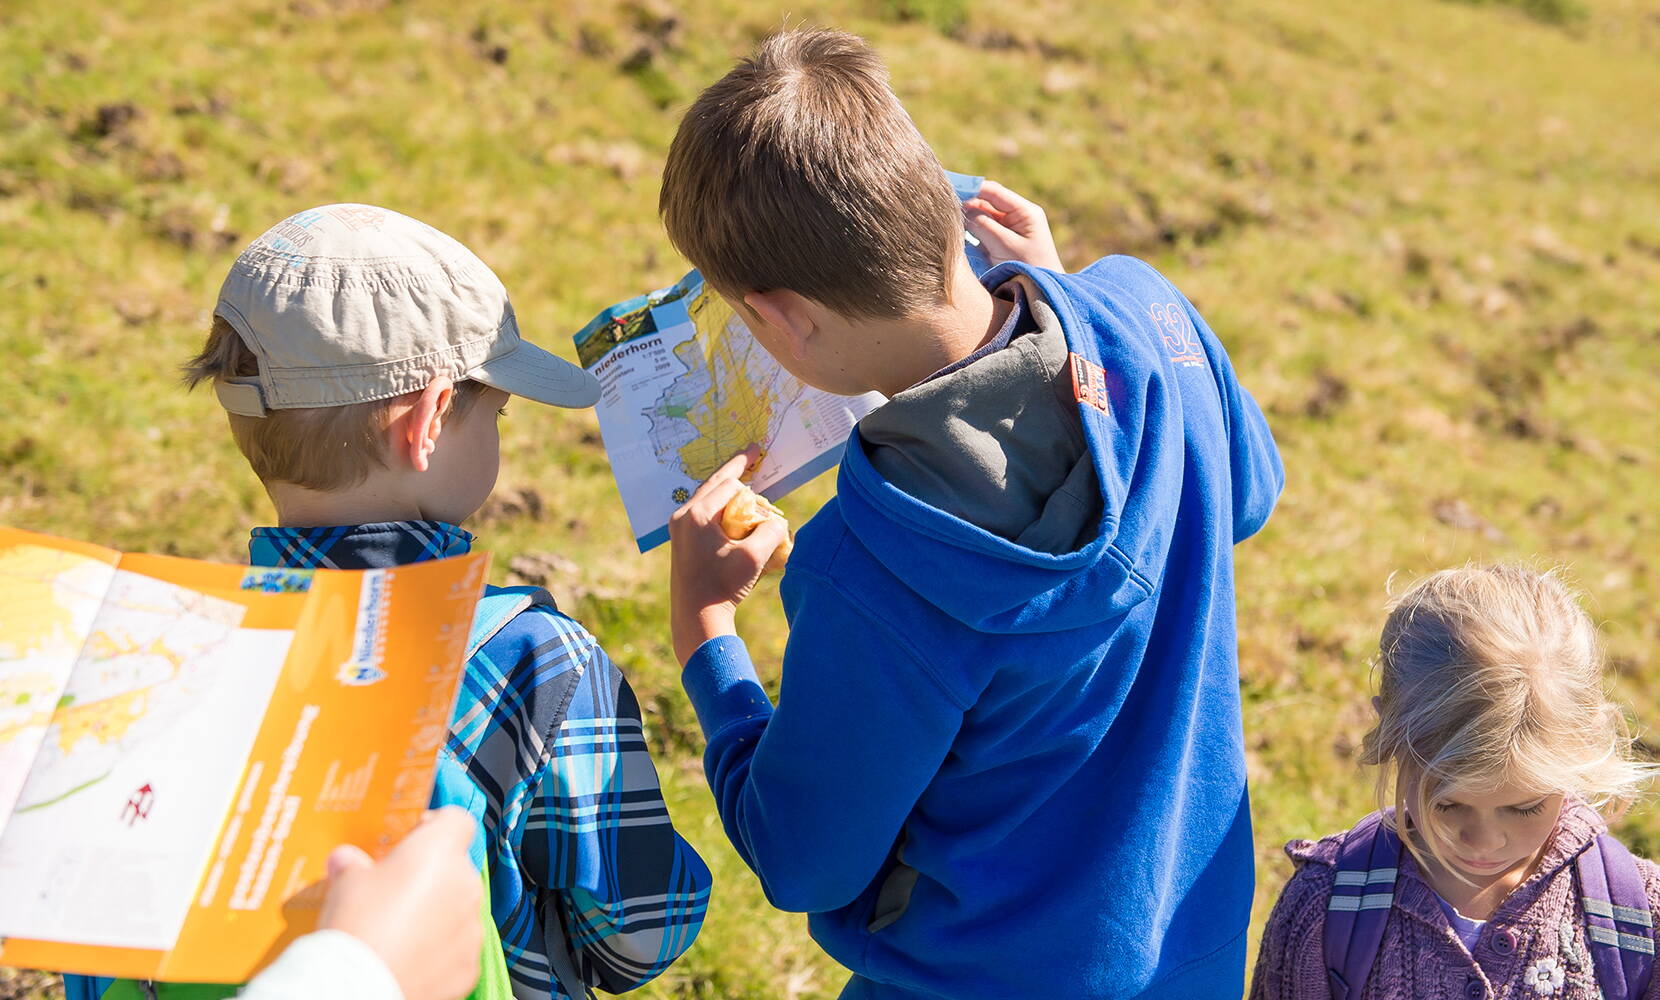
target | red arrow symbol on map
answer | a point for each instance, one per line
(138, 807)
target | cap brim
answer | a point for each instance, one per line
(536, 374)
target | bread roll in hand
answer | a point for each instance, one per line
(747, 511)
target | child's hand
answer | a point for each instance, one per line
(709, 573)
(1011, 228)
(418, 908)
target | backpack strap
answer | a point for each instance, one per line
(496, 608)
(85, 987)
(560, 955)
(1618, 923)
(451, 784)
(1361, 896)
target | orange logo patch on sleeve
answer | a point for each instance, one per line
(1089, 383)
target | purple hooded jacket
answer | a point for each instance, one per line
(1532, 946)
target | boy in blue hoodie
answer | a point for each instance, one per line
(1006, 759)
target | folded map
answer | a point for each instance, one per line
(182, 743)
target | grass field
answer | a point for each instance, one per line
(1428, 231)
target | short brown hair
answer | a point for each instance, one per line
(320, 448)
(800, 170)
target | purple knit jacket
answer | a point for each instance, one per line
(1533, 946)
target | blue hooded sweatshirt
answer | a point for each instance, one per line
(1001, 771)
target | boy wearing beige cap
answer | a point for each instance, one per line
(359, 355)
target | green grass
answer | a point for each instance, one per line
(1428, 232)
(1561, 12)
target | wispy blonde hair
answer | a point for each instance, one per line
(1491, 675)
(320, 448)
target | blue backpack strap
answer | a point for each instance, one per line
(1361, 896)
(1618, 923)
(85, 987)
(451, 785)
(497, 607)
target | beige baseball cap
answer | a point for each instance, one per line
(352, 303)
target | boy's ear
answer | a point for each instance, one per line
(415, 433)
(787, 312)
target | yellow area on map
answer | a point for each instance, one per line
(734, 413)
(47, 597)
(106, 720)
(102, 646)
(35, 616)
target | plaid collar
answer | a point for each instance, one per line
(357, 546)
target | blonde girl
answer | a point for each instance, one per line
(1492, 874)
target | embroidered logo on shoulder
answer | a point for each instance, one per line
(1178, 334)
(1089, 383)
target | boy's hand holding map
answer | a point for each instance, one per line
(182, 744)
(1010, 227)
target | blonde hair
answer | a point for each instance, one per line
(320, 448)
(800, 170)
(1492, 675)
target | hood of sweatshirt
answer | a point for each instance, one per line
(1002, 488)
(997, 441)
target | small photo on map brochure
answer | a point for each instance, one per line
(684, 387)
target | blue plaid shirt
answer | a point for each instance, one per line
(575, 815)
